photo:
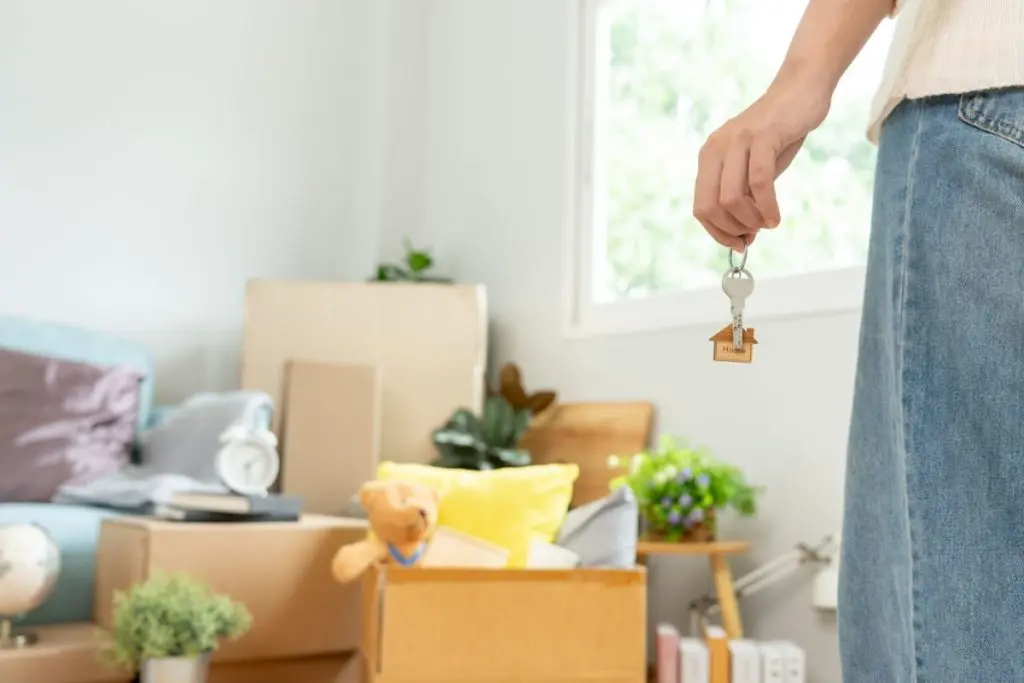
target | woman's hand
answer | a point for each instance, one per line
(735, 192)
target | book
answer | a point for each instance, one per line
(694, 666)
(793, 662)
(745, 661)
(236, 504)
(667, 650)
(176, 514)
(772, 667)
(450, 548)
(718, 652)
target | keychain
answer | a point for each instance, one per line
(734, 343)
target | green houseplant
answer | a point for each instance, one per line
(491, 441)
(680, 490)
(415, 267)
(487, 442)
(168, 626)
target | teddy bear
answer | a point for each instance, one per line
(402, 516)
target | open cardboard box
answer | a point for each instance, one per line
(447, 625)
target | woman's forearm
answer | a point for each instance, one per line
(829, 37)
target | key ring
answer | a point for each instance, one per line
(743, 261)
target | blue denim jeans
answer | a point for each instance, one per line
(932, 569)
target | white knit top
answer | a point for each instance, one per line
(950, 47)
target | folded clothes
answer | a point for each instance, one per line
(178, 454)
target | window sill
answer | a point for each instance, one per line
(799, 296)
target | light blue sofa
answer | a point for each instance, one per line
(75, 528)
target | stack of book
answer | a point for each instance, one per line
(229, 507)
(716, 659)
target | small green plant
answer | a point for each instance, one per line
(489, 442)
(171, 616)
(680, 489)
(413, 268)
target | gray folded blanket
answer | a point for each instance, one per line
(176, 455)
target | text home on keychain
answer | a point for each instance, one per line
(734, 343)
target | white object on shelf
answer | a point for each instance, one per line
(773, 668)
(694, 662)
(745, 661)
(826, 588)
(793, 662)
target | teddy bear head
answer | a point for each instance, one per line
(400, 511)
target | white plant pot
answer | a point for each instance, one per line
(176, 670)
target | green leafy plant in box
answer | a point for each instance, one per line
(487, 442)
(680, 490)
(168, 616)
(491, 441)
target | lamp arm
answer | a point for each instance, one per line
(801, 554)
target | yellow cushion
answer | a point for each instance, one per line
(509, 507)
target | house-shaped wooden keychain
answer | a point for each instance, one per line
(726, 352)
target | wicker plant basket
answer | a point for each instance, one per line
(703, 532)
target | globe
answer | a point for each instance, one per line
(29, 565)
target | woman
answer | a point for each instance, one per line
(932, 572)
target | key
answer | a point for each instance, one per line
(738, 284)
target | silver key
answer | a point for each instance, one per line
(738, 284)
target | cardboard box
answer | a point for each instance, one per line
(330, 433)
(68, 653)
(428, 341)
(333, 669)
(434, 625)
(280, 571)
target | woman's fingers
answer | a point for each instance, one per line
(707, 206)
(735, 243)
(734, 194)
(761, 173)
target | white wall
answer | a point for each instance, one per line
(492, 141)
(155, 155)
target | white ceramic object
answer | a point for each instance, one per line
(29, 566)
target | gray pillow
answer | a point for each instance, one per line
(603, 533)
(62, 422)
(187, 440)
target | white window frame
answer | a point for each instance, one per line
(826, 292)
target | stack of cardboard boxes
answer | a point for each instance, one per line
(361, 373)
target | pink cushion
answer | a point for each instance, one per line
(61, 422)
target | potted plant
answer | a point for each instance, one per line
(680, 491)
(491, 441)
(468, 442)
(166, 628)
(415, 267)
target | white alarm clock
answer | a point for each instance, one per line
(248, 462)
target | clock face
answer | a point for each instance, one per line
(248, 466)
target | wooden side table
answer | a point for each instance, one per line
(717, 553)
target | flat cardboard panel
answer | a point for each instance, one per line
(331, 433)
(586, 434)
(64, 654)
(489, 625)
(429, 342)
(280, 571)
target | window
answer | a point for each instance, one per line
(657, 77)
